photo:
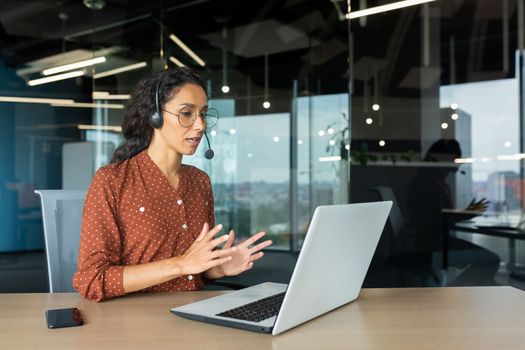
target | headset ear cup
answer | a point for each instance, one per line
(155, 120)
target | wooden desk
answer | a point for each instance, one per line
(431, 318)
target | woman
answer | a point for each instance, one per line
(147, 217)
(429, 194)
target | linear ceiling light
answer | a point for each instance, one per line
(517, 156)
(187, 50)
(57, 77)
(104, 95)
(464, 160)
(33, 100)
(89, 105)
(385, 8)
(176, 61)
(120, 70)
(75, 65)
(330, 159)
(100, 127)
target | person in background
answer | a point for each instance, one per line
(430, 193)
(148, 221)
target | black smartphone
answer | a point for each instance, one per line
(64, 318)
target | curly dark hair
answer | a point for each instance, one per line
(136, 128)
(448, 147)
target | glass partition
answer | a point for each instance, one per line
(424, 102)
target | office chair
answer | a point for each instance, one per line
(62, 217)
(403, 236)
(403, 254)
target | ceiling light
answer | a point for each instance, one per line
(382, 143)
(517, 156)
(213, 133)
(330, 131)
(276, 139)
(100, 127)
(225, 87)
(454, 116)
(114, 97)
(94, 4)
(331, 142)
(385, 8)
(369, 121)
(103, 95)
(321, 133)
(232, 131)
(120, 70)
(375, 107)
(89, 105)
(33, 100)
(299, 142)
(444, 126)
(266, 103)
(507, 144)
(330, 159)
(347, 147)
(57, 77)
(187, 50)
(454, 106)
(464, 160)
(75, 65)
(176, 61)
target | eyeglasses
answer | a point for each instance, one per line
(188, 115)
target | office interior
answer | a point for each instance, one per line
(320, 104)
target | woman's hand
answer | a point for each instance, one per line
(242, 257)
(479, 206)
(202, 256)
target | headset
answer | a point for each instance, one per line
(156, 120)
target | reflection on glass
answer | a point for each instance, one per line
(491, 107)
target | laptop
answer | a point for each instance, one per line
(329, 273)
(510, 222)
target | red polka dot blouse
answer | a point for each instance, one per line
(133, 215)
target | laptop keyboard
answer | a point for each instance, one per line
(258, 310)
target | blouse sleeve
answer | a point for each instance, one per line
(210, 219)
(100, 274)
(210, 202)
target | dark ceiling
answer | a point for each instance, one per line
(305, 40)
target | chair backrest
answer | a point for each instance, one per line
(395, 218)
(62, 217)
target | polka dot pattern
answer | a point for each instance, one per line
(133, 215)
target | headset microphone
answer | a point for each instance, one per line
(209, 154)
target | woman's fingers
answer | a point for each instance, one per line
(213, 232)
(247, 267)
(230, 240)
(219, 253)
(221, 239)
(253, 239)
(260, 246)
(217, 262)
(205, 229)
(255, 257)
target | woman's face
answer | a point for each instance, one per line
(188, 103)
